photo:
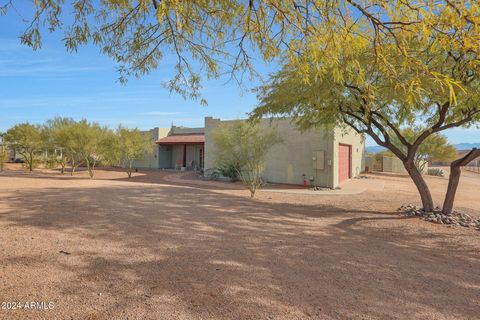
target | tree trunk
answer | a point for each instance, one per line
(63, 163)
(129, 170)
(453, 181)
(31, 162)
(89, 168)
(252, 190)
(454, 178)
(93, 170)
(421, 185)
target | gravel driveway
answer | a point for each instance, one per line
(148, 249)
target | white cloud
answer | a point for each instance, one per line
(41, 68)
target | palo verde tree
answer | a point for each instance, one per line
(221, 36)
(131, 145)
(71, 138)
(57, 133)
(90, 144)
(25, 139)
(422, 83)
(244, 145)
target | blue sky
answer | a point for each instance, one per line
(38, 85)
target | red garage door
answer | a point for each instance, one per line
(344, 160)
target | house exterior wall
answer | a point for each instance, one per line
(287, 162)
(151, 160)
(164, 156)
(357, 142)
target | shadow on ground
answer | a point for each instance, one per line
(158, 251)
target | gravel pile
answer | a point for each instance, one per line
(437, 216)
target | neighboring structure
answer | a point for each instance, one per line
(473, 166)
(175, 148)
(322, 157)
(12, 155)
(393, 164)
(388, 164)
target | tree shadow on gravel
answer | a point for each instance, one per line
(157, 252)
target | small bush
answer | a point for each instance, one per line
(51, 162)
(212, 174)
(435, 172)
(229, 170)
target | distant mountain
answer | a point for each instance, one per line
(466, 146)
(374, 149)
(459, 146)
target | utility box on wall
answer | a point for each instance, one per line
(318, 160)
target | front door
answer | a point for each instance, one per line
(344, 161)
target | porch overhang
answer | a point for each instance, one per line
(196, 138)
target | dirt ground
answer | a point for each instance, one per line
(163, 246)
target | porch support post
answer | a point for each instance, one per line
(184, 155)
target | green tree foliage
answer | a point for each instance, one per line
(90, 144)
(73, 140)
(79, 143)
(131, 145)
(58, 140)
(377, 100)
(26, 139)
(213, 37)
(244, 145)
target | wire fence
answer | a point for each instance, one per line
(473, 166)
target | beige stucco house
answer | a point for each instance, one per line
(175, 148)
(321, 157)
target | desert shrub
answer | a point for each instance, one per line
(229, 170)
(435, 172)
(51, 162)
(212, 174)
(245, 144)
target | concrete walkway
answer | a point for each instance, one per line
(352, 186)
